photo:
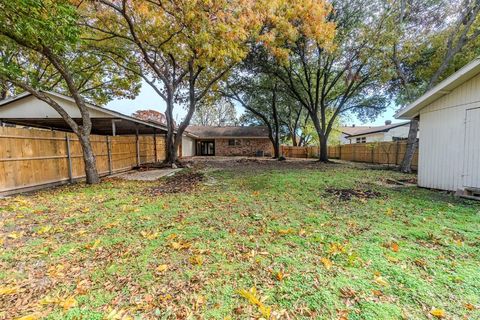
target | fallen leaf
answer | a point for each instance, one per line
(381, 281)
(33, 316)
(15, 235)
(279, 275)
(8, 290)
(162, 268)
(196, 260)
(285, 231)
(250, 295)
(469, 306)
(68, 303)
(327, 263)
(395, 247)
(265, 311)
(438, 313)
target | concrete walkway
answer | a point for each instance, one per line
(148, 175)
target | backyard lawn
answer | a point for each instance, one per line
(294, 240)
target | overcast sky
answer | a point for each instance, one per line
(148, 99)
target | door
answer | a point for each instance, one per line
(207, 148)
(471, 165)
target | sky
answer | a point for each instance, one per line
(148, 99)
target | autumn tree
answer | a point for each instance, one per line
(344, 78)
(42, 49)
(429, 40)
(216, 112)
(185, 47)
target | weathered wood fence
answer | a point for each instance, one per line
(390, 153)
(30, 158)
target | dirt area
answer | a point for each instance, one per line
(348, 194)
(148, 175)
(253, 163)
(179, 183)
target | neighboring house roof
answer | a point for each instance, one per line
(445, 87)
(229, 131)
(352, 129)
(360, 131)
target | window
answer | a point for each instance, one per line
(233, 142)
(361, 140)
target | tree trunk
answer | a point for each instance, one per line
(411, 147)
(323, 148)
(276, 149)
(89, 159)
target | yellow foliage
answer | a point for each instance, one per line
(438, 313)
(33, 316)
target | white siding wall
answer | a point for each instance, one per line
(442, 126)
(31, 107)
(398, 132)
(188, 147)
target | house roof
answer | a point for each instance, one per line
(360, 131)
(102, 118)
(349, 130)
(229, 131)
(445, 87)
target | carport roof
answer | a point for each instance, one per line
(104, 121)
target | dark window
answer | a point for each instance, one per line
(362, 140)
(234, 142)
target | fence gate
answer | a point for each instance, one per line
(471, 169)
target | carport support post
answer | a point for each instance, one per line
(109, 152)
(69, 158)
(155, 144)
(138, 146)
(114, 128)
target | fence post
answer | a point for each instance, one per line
(396, 153)
(340, 152)
(109, 152)
(138, 146)
(69, 158)
(371, 154)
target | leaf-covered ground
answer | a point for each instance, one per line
(248, 241)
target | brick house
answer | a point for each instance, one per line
(231, 141)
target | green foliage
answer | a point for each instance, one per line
(30, 28)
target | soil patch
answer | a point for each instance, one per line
(348, 194)
(182, 182)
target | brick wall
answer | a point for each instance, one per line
(247, 147)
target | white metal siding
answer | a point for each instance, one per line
(31, 107)
(442, 137)
(471, 167)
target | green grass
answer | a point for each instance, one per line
(101, 246)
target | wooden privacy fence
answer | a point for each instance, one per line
(390, 153)
(31, 158)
